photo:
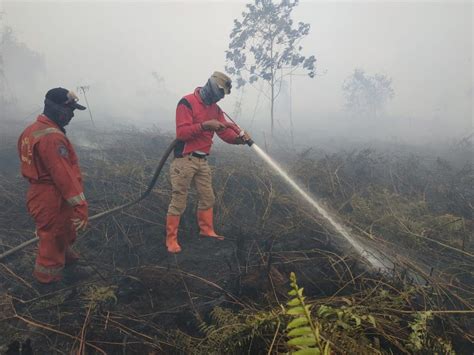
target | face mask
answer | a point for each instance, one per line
(60, 114)
(211, 92)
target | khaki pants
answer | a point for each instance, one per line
(183, 172)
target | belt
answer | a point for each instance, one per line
(200, 156)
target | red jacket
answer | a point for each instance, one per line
(47, 157)
(190, 113)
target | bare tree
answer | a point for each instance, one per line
(20, 67)
(265, 45)
(3, 79)
(367, 94)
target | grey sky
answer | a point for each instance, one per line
(425, 47)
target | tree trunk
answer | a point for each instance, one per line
(272, 104)
(291, 113)
(272, 84)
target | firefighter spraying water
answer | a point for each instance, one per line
(197, 119)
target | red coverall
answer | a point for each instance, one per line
(50, 164)
(184, 170)
(190, 113)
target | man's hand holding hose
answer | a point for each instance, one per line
(243, 138)
(218, 126)
(213, 125)
(80, 217)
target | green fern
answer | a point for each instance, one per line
(303, 332)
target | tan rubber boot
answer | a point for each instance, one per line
(172, 223)
(206, 225)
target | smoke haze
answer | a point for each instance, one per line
(139, 58)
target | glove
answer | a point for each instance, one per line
(80, 216)
(243, 138)
(213, 125)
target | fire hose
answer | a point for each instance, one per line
(152, 183)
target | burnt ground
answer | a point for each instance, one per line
(128, 295)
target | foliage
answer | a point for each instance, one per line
(17, 61)
(97, 295)
(348, 326)
(384, 197)
(367, 94)
(345, 317)
(265, 45)
(231, 333)
(302, 330)
(395, 216)
(417, 338)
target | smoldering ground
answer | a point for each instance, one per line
(130, 294)
(400, 181)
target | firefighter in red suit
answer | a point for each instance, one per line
(198, 117)
(55, 196)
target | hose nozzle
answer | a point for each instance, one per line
(242, 135)
(239, 131)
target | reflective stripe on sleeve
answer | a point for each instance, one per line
(75, 200)
(44, 132)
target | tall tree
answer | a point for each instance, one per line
(20, 67)
(2, 72)
(367, 94)
(265, 44)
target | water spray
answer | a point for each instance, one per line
(368, 254)
(365, 252)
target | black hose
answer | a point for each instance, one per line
(112, 210)
(147, 191)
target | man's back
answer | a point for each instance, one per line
(55, 197)
(47, 157)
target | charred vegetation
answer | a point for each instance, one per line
(128, 295)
